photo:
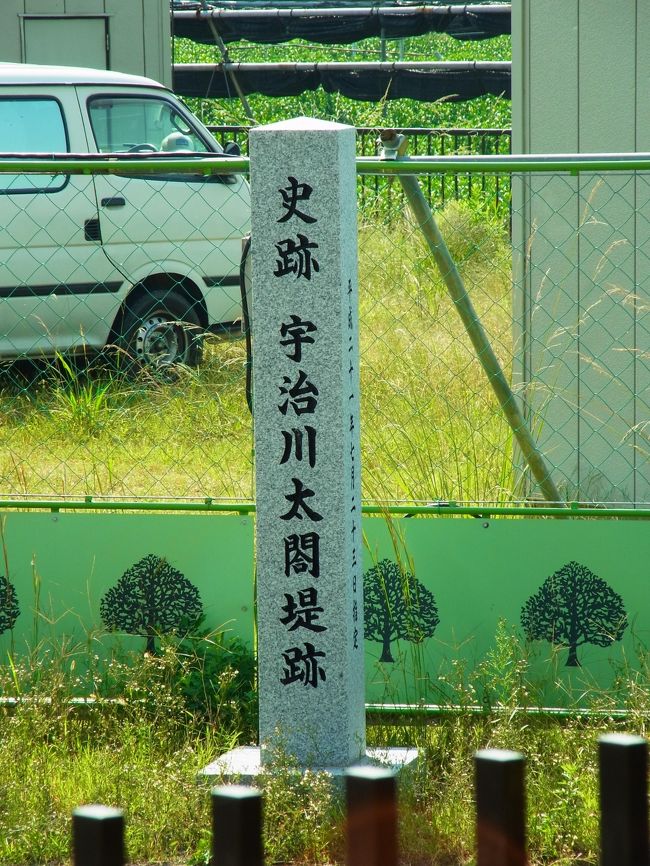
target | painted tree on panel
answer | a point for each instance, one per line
(151, 598)
(574, 607)
(9, 610)
(396, 606)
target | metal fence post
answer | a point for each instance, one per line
(371, 817)
(98, 836)
(500, 808)
(237, 826)
(623, 760)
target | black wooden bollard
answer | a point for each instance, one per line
(500, 808)
(237, 826)
(371, 822)
(623, 760)
(97, 836)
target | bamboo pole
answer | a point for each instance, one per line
(395, 148)
(227, 63)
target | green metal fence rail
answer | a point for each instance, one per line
(446, 509)
(555, 271)
(425, 141)
(138, 164)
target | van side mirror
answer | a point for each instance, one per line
(232, 148)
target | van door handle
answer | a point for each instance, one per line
(113, 201)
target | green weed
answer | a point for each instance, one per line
(437, 816)
(142, 751)
(303, 817)
(83, 402)
(431, 426)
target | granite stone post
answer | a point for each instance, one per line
(306, 416)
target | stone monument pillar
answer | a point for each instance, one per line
(306, 413)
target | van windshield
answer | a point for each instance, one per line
(141, 125)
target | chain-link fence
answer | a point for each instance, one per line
(122, 353)
(124, 365)
(541, 308)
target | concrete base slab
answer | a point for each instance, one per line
(244, 765)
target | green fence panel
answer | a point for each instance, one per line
(115, 580)
(477, 611)
(492, 611)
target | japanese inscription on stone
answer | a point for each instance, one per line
(306, 393)
(304, 662)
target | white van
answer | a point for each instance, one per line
(148, 263)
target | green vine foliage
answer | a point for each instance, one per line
(486, 111)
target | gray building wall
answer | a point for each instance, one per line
(124, 35)
(581, 84)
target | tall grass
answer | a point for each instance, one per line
(431, 428)
(152, 723)
(431, 424)
(143, 752)
(86, 431)
(437, 820)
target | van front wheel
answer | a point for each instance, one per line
(161, 328)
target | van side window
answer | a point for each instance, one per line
(141, 125)
(31, 125)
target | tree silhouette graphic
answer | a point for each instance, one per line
(151, 598)
(9, 610)
(574, 607)
(396, 606)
